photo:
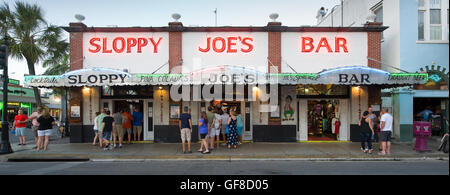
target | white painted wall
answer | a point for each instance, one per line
(145, 62)
(390, 45)
(91, 99)
(160, 100)
(355, 13)
(193, 59)
(313, 62)
(359, 103)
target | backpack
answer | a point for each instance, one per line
(239, 123)
(216, 123)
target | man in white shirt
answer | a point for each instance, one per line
(386, 131)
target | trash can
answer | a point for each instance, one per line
(421, 130)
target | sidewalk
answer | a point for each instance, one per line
(247, 151)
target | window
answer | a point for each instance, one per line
(435, 20)
(432, 20)
(421, 25)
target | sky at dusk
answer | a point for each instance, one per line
(142, 13)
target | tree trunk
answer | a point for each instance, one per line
(37, 94)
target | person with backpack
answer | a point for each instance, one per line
(224, 129)
(217, 126)
(240, 126)
(232, 134)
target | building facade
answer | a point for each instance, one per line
(416, 41)
(288, 83)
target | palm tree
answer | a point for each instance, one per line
(57, 67)
(30, 37)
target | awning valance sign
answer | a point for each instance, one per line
(354, 75)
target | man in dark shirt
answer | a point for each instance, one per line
(108, 125)
(185, 124)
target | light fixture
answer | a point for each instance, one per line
(86, 89)
(160, 87)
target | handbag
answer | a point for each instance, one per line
(226, 129)
(13, 132)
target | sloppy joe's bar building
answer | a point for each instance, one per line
(289, 83)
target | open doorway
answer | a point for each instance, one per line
(131, 106)
(226, 107)
(429, 109)
(321, 116)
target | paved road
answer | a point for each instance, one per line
(425, 167)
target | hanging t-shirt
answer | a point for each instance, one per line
(333, 126)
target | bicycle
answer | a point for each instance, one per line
(444, 141)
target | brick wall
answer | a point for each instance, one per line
(175, 47)
(76, 47)
(374, 59)
(274, 55)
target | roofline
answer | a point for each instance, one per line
(366, 28)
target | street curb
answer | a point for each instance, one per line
(266, 159)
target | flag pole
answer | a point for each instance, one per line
(215, 13)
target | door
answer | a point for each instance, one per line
(247, 133)
(149, 133)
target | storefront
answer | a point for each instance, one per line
(18, 98)
(160, 70)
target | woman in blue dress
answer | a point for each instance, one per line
(232, 136)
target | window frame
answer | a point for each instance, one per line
(426, 9)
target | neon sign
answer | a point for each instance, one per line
(231, 44)
(123, 44)
(308, 46)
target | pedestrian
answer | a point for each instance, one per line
(35, 125)
(426, 114)
(212, 132)
(96, 129)
(118, 129)
(366, 133)
(218, 125)
(386, 131)
(126, 123)
(46, 123)
(232, 131)
(20, 124)
(100, 126)
(138, 119)
(203, 130)
(108, 126)
(240, 125)
(185, 124)
(224, 127)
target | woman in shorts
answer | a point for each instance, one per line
(46, 123)
(203, 130)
